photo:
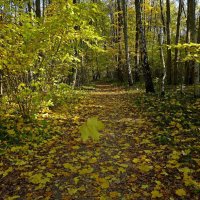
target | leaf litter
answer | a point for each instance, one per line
(132, 147)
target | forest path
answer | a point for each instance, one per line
(124, 165)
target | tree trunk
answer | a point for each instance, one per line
(196, 69)
(169, 53)
(1, 82)
(176, 56)
(163, 61)
(29, 7)
(127, 56)
(43, 7)
(137, 52)
(191, 37)
(38, 8)
(143, 48)
(119, 41)
(162, 16)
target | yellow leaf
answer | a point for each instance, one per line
(76, 180)
(68, 166)
(11, 132)
(145, 168)
(116, 156)
(86, 171)
(13, 197)
(82, 188)
(145, 186)
(135, 160)
(10, 169)
(49, 175)
(180, 192)
(20, 162)
(93, 160)
(155, 194)
(175, 155)
(103, 198)
(91, 129)
(72, 191)
(121, 170)
(76, 118)
(39, 179)
(104, 183)
(185, 170)
(114, 194)
(123, 165)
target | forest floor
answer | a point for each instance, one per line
(149, 148)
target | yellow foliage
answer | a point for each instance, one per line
(13, 197)
(86, 171)
(104, 183)
(114, 194)
(156, 194)
(39, 179)
(68, 166)
(76, 180)
(10, 169)
(11, 132)
(145, 167)
(180, 192)
(136, 160)
(72, 191)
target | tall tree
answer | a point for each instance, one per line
(169, 53)
(176, 56)
(137, 52)
(38, 8)
(190, 37)
(161, 38)
(1, 83)
(143, 48)
(127, 55)
(119, 41)
(197, 65)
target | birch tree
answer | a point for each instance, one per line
(127, 55)
(143, 49)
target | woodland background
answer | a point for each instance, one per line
(132, 64)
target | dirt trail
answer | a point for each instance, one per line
(123, 165)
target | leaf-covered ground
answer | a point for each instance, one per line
(150, 148)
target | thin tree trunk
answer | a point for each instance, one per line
(127, 55)
(119, 41)
(75, 73)
(176, 56)
(29, 7)
(1, 82)
(74, 69)
(186, 78)
(191, 37)
(169, 53)
(143, 48)
(197, 66)
(43, 7)
(137, 52)
(163, 62)
(162, 16)
(38, 8)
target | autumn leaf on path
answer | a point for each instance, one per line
(91, 129)
(156, 194)
(180, 192)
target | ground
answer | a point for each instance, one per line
(134, 158)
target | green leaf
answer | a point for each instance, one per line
(91, 129)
